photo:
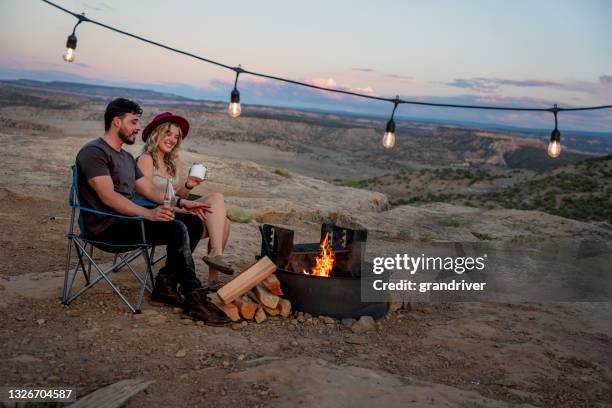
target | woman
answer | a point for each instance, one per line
(160, 161)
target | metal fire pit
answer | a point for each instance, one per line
(337, 296)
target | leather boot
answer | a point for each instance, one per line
(199, 307)
(165, 291)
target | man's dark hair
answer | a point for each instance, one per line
(119, 107)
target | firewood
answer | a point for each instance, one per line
(265, 297)
(246, 280)
(230, 310)
(246, 307)
(260, 315)
(273, 285)
(284, 307)
(271, 312)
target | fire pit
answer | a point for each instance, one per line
(322, 278)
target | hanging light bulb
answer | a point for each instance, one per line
(388, 140)
(234, 106)
(554, 147)
(71, 44)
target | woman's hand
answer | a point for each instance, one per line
(196, 208)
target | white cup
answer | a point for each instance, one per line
(197, 171)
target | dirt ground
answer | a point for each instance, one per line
(460, 354)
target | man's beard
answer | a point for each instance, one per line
(125, 137)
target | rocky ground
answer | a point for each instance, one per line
(459, 354)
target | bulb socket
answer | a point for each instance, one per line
(390, 126)
(71, 42)
(555, 135)
(235, 98)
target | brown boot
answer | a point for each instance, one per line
(165, 291)
(218, 263)
(199, 307)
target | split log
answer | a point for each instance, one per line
(114, 395)
(230, 310)
(273, 285)
(271, 312)
(265, 297)
(246, 280)
(260, 315)
(284, 307)
(246, 307)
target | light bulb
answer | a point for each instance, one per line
(554, 147)
(388, 139)
(69, 55)
(71, 45)
(234, 106)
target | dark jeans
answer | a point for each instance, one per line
(180, 236)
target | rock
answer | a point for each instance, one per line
(294, 343)
(226, 363)
(25, 358)
(20, 318)
(356, 339)
(41, 322)
(237, 326)
(181, 353)
(364, 324)
(200, 323)
(53, 379)
(177, 310)
(327, 319)
(150, 312)
(348, 322)
(186, 321)
(241, 357)
(157, 320)
(72, 313)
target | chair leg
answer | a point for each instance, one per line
(66, 273)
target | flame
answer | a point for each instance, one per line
(325, 260)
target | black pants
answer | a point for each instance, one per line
(180, 236)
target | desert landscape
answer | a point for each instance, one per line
(440, 185)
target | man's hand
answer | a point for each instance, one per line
(160, 213)
(196, 208)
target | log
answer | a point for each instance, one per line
(246, 307)
(230, 310)
(260, 315)
(244, 282)
(271, 312)
(264, 296)
(273, 285)
(284, 307)
(114, 395)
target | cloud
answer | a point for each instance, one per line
(490, 85)
(389, 76)
(399, 77)
(605, 79)
(99, 6)
(363, 69)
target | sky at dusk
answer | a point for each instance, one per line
(511, 53)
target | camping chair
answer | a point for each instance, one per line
(84, 247)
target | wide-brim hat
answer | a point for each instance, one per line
(163, 118)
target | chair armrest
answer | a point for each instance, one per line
(114, 215)
(144, 202)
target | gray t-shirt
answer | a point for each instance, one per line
(98, 158)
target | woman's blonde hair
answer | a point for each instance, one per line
(170, 159)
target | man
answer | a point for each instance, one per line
(108, 178)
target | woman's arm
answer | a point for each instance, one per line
(145, 164)
(182, 191)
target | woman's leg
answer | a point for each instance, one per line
(213, 274)
(215, 222)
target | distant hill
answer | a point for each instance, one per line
(581, 191)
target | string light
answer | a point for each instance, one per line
(71, 42)
(554, 147)
(389, 138)
(234, 106)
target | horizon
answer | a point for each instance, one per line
(524, 72)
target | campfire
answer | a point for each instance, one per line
(321, 278)
(325, 261)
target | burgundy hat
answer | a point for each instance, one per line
(163, 118)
